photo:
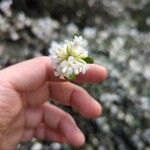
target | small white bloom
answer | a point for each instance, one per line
(36, 146)
(72, 29)
(4, 25)
(44, 28)
(69, 57)
(5, 6)
(89, 32)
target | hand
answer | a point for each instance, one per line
(25, 112)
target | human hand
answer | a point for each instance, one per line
(25, 89)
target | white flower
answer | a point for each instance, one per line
(4, 25)
(69, 58)
(5, 7)
(36, 146)
(72, 29)
(44, 28)
(89, 32)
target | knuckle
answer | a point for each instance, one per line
(68, 117)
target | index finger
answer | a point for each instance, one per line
(32, 74)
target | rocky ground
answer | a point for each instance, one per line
(118, 33)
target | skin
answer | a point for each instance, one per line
(25, 89)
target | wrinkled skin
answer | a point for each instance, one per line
(25, 89)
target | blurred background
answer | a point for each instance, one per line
(118, 32)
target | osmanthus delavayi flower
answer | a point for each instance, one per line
(70, 58)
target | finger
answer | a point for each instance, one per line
(32, 74)
(69, 94)
(42, 132)
(75, 96)
(62, 122)
(28, 135)
(54, 136)
(29, 75)
(33, 120)
(95, 74)
(54, 118)
(33, 116)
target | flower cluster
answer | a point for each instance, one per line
(70, 58)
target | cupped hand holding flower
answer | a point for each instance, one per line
(25, 89)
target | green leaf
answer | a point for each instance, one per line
(88, 60)
(72, 77)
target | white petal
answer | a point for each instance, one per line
(64, 69)
(76, 71)
(64, 64)
(70, 59)
(58, 69)
(80, 69)
(69, 70)
(87, 67)
(83, 71)
(56, 73)
(61, 77)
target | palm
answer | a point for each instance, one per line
(14, 118)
